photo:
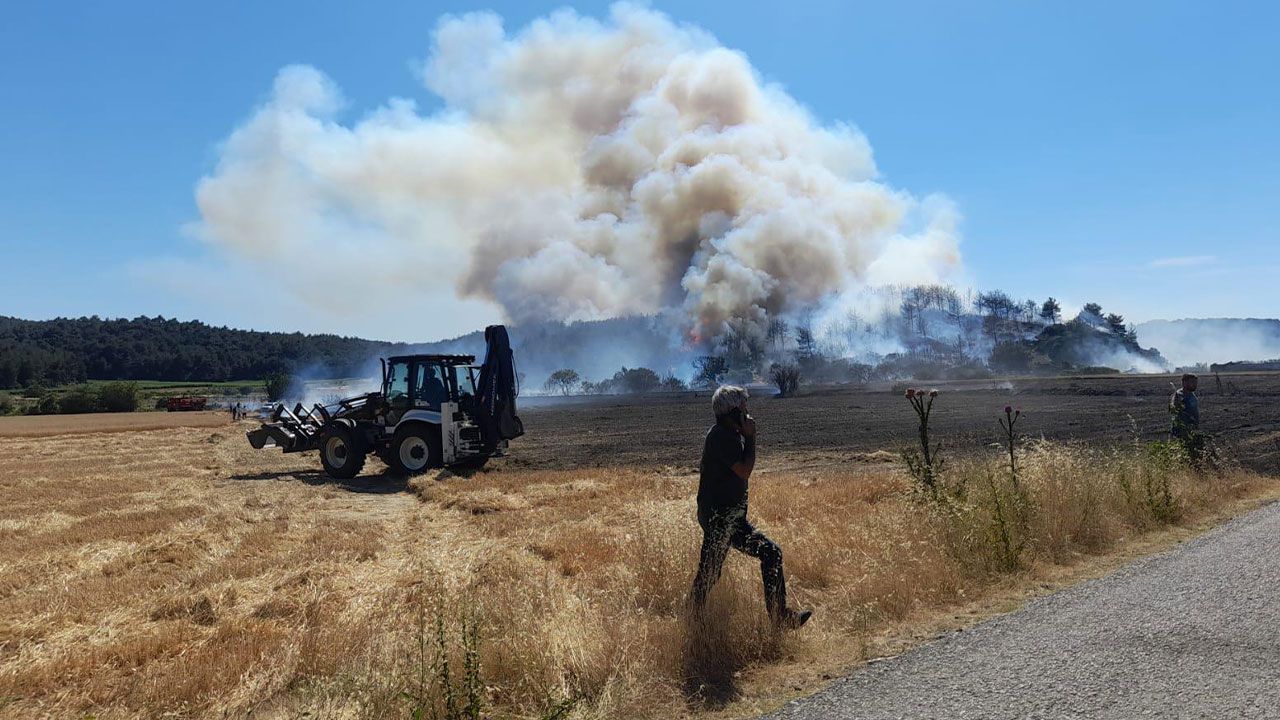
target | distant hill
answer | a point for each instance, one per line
(1213, 340)
(1081, 343)
(923, 338)
(1246, 366)
(71, 350)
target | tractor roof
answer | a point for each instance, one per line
(441, 359)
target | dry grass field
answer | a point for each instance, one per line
(43, 425)
(177, 573)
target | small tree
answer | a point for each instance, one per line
(1011, 356)
(1051, 311)
(563, 380)
(860, 372)
(79, 400)
(671, 383)
(118, 397)
(46, 405)
(276, 385)
(786, 378)
(710, 370)
(806, 345)
(1115, 323)
(636, 380)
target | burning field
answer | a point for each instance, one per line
(175, 572)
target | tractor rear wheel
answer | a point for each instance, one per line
(415, 448)
(341, 454)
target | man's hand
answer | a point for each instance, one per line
(744, 468)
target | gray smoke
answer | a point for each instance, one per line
(579, 169)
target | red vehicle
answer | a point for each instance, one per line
(185, 403)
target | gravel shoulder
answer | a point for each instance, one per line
(1190, 633)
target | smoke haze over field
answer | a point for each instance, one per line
(1213, 340)
(579, 169)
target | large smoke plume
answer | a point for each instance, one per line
(578, 169)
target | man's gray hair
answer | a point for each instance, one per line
(727, 399)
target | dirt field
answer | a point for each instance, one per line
(828, 425)
(43, 425)
(178, 573)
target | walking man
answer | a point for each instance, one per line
(1184, 406)
(728, 457)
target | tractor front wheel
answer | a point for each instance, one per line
(416, 448)
(341, 454)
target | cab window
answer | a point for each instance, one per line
(398, 383)
(431, 389)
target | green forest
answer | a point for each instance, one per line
(74, 350)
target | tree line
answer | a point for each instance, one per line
(72, 350)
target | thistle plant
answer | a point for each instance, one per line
(1011, 508)
(926, 464)
(1007, 422)
(434, 693)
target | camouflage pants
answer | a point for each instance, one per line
(723, 529)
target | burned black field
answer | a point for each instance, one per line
(831, 425)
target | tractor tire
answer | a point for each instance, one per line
(341, 454)
(415, 448)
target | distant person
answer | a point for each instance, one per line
(1184, 406)
(728, 458)
(432, 390)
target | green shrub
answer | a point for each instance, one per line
(6, 404)
(46, 405)
(118, 397)
(78, 400)
(245, 390)
(636, 380)
(276, 385)
(786, 378)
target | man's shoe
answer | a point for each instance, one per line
(795, 620)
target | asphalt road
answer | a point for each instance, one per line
(1190, 633)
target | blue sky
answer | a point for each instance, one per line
(1123, 153)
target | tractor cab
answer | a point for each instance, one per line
(426, 382)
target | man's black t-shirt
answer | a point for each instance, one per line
(719, 487)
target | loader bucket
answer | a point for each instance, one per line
(271, 436)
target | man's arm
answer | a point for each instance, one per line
(743, 467)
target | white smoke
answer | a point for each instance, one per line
(1213, 340)
(579, 169)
